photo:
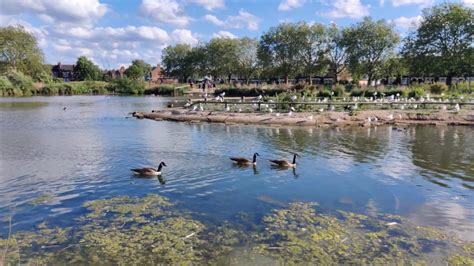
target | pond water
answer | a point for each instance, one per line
(425, 174)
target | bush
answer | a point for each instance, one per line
(21, 81)
(438, 88)
(416, 91)
(127, 86)
(249, 92)
(6, 87)
(463, 87)
(166, 89)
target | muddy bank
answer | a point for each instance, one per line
(359, 118)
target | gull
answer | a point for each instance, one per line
(227, 108)
(270, 110)
(194, 108)
(331, 108)
(321, 110)
(293, 98)
(457, 107)
(311, 117)
(201, 108)
(390, 117)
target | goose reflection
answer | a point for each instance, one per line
(162, 180)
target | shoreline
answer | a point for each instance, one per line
(315, 119)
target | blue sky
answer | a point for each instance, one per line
(113, 32)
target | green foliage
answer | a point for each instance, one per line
(416, 91)
(463, 87)
(73, 88)
(438, 88)
(165, 89)
(127, 85)
(138, 70)
(20, 51)
(249, 92)
(176, 61)
(86, 70)
(369, 45)
(442, 44)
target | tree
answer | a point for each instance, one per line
(395, 67)
(221, 56)
(369, 45)
(280, 51)
(86, 70)
(138, 69)
(314, 48)
(336, 51)
(442, 44)
(247, 62)
(175, 61)
(19, 51)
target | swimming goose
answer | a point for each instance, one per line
(285, 163)
(245, 161)
(148, 171)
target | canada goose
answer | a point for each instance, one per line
(245, 161)
(148, 171)
(285, 163)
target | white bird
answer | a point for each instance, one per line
(390, 117)
(402, 107)
(311, 117)
(222, 94)
(290, 113)
(321, 110)
(270, 110)
(201, 108)
(293, 98)
(187, 104)
(443, 107)
(259, 98)
(240, 110)
(217, 98)
(194, 108)
(277, 114)
(292, 109)
(331, 108)
(227, 108)
(457, 107)
(369, 119)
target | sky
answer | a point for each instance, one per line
(114, 32)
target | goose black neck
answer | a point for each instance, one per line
(160, 166)
(294, 159)
(254, 158)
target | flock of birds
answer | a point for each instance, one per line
(402, 102)
(242, 161)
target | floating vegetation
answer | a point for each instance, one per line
(149, 230)
(300, 235)
(42, 199)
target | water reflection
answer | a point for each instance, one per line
(84, 153)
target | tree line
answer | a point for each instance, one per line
(442, 45)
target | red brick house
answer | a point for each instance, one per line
(156, 75)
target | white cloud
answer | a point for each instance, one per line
(468, 3)
(348, 9)
(214, 20)
(71, 11)
(243, 20)
(164, 11)
(407, 23)
(397, 3)
(286, 5)
(224, 34)
(184, 36)
(209, 4)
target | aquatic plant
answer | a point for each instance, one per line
(150, 230)
(300, 235)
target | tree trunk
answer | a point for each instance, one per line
(310, 80)
(229, 77)
(286, 79)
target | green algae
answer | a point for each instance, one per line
(150, 230)
(299, 235)
(42, 199)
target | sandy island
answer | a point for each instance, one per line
(327, 118)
